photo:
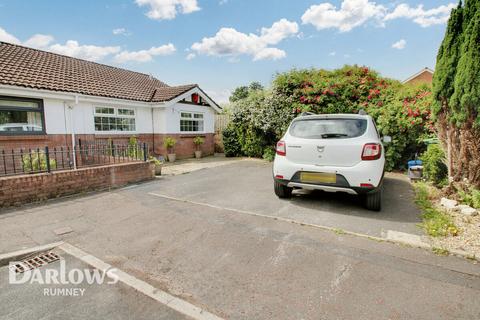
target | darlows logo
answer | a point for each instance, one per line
(53, 275)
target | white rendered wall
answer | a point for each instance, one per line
(172, 117)
(58, 116)
(59, 113)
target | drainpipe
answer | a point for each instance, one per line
(153, 133)
(73, 132)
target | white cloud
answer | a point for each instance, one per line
(279, 31)
(145, 55)
(191, 56)
(39, 41)
(219, 96)
(232, 43)
(121, 31)
(168, 9)
(400, 44)
(420, 16)
(88, 52)
(332, 54)
(352, 13)
(7, 37)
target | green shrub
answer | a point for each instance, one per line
(37, 162)
(231, 144)
(269, 154)
(252, 143)
(169, 143)
(434, 167)
(198, 141)
(261, 117)
(470, 197)
(134, 149)
(154, 160)
(476, 199)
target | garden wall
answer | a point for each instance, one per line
(17, 190)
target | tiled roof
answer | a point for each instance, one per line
(32, 68)
(169, 93)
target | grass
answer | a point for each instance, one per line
(435, 222)
(440, 251)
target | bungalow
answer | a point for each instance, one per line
(55, 100)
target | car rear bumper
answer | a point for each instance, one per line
(354, 177)
(309, 186)
(329, 187)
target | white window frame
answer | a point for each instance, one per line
(192, 118)
(115, 115)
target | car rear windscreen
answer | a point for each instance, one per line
(328, 128)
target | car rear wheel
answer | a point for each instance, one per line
(282, 191)
(373, 200)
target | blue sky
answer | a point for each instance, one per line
(221, 44)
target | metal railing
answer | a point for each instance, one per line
(45, 159)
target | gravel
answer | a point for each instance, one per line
(468, 238)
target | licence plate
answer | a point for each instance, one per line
(318, 177)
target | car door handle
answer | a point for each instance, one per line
(290, 146)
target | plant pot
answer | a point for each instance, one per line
(171, 157)
(158, 169)
(198, 154)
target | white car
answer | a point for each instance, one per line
(333, 153)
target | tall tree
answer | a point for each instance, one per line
(457, 88)
(443, 81)
(242, 92)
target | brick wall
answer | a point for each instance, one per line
(424, 77)
(27, 188)
(184, 148)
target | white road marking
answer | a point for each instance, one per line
(391, 236)
(251, 213)
(163, 297)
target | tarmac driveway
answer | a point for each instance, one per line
(248, 185)
(224, 251)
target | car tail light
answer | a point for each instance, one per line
(371, 151)
(281, 148)
(366, 185)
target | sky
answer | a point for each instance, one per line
(223, 44)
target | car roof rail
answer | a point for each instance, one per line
(362, 112)
(303, 114)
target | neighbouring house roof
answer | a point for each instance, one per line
(169, 93)
(32, 68)
(419, 74)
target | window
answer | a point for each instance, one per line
(114, 119)
(21, 116)
(328, 128)
(191, 122)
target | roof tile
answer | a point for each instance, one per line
(32, 68)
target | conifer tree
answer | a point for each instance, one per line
(456, 88)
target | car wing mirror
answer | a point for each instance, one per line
(387, 139)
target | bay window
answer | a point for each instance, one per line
(191, 122)
(114, 119)
(21, 116)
